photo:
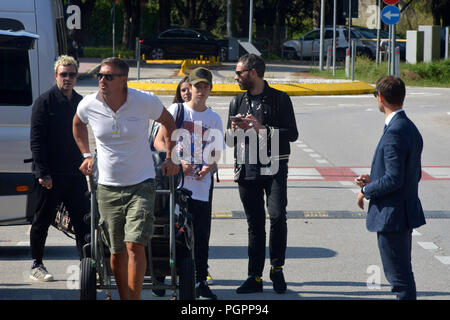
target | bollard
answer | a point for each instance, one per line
(347, 63)
(397, 62)
(353, 59)
(447, 42)
(329, 53)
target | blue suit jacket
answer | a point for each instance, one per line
(395, 175)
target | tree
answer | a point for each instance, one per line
(440, 10)
(86, 8)
(131, 22)
(165, 7)
(191, 11)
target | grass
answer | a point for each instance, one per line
(435, 74)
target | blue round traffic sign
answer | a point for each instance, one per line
(390, 15)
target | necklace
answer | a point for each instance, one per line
(255, 103)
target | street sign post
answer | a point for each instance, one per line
(390, 15)
(391, 2)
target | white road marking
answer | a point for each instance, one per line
(321, 161)
(314, 155)
(428, 245)
(416, 233)
(443, 259)
(359, 171)
(439, 173)
(308, 150)
(346, 183)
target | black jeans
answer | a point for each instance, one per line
(201, 218)
(252, 197)
(70, 189)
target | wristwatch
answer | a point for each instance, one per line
(87, 155)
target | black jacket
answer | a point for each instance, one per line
(52, 144)
(278, 113)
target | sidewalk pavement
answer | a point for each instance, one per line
(291, 77)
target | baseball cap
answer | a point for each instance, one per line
(200, 75)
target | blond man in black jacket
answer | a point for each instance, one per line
(56, 159)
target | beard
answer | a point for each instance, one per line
(245, 83)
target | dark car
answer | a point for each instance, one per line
(184, 43)
(371, 35)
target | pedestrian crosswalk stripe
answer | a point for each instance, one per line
(326, 173)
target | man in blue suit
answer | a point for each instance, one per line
(392, 188)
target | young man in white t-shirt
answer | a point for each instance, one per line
(119, 118)
(199, 143)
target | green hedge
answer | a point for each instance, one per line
(422, 74)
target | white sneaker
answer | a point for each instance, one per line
(40, 274)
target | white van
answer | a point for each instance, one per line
(32, 36)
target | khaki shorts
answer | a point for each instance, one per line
(126, 214)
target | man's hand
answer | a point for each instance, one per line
(86, 166)
(188, 168)
(169, 168)
(253, 122)
(360, 200)
(362, 180)
(202, 173)
(46, 182)
(241, 123)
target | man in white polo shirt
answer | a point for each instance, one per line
(119, 118)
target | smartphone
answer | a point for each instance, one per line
(236, 119)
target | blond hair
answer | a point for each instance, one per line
(66, 61)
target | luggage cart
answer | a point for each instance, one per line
(169, 253)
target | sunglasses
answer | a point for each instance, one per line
(70, 74)
(239, 73)
(375, 93)
(108, 76)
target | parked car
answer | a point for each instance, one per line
(371, 34)
(184, 43)
(308, 45)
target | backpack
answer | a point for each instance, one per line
(155, 126)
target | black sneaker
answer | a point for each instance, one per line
(277, 277)
(204, 293)
(159, 292)
(250, 285)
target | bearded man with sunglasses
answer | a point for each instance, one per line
(262, 109)
(56, 159)
(119, 117)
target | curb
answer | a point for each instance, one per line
(298, 89)
(89, 73)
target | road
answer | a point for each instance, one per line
(331, 255)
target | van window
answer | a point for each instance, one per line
(15, 78)
(11, 24)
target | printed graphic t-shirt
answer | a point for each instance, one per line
(199, 135)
